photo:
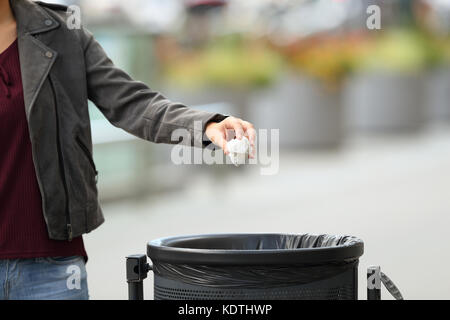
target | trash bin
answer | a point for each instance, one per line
(255, 267)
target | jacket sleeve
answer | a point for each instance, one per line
(133, 106)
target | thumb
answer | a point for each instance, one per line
(218, 138)
(222, 142)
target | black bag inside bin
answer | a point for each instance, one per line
(256, 266)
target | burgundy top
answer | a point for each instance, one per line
(23, 232)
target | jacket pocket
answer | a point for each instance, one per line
(87, 155)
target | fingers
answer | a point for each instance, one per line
(220, 140)
(241, 128)
(224, 146)
(236, 125)
(251, 133)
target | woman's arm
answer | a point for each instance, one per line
(147, 114)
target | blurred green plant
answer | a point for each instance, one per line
(331, 59)
(230, 62)
(439, 48)
(400, 50)
(326, 58)
(239, 62)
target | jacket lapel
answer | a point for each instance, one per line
(36, 59)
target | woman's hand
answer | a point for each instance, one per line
(220, 132)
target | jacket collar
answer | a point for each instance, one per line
(36, 58)
(31, 18)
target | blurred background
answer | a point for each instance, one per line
(364, 119)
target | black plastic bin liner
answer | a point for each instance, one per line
(254, 261)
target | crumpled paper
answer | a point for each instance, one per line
(238, 150)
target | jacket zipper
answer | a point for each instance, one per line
(61, 163)
(87, 154)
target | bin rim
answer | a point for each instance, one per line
(159, 250)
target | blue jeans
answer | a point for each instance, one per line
(58, 278)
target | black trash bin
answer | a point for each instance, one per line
(255, 267)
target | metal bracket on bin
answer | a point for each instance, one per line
(373, 283)
(137, 270)
(374, 280)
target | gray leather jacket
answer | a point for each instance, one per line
(61, 69)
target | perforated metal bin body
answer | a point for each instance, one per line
(256, 267)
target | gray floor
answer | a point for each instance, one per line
(393, 193)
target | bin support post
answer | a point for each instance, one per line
(137, 269)
(373, 283)
(136, 290)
